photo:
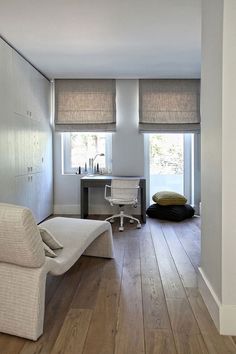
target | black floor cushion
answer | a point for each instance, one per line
(170, 212)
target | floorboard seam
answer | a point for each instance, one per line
(184, 290)
(163, 290)
(118, 305)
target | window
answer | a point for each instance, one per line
(171, 167)
(78, 148)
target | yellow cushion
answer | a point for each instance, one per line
(169, 198)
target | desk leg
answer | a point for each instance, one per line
(143, 203)
(84, 203)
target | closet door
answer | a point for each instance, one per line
(46, 195)
(45, 143)
(22, 86)
(6, 126)
(36, 147)
(35, 195)
(23, 145)
(25, 135)
(28, 193)
(35, 107)
(22, 191)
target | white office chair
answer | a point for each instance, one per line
(123, 192)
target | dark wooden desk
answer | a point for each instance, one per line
(87, 182)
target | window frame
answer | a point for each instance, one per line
(66, 152)
(190, 160)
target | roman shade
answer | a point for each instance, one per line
(167, 105)
(85, 105)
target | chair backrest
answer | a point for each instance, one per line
(20, 240)
(125, 190)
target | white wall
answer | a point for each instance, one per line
(228, 155)
(127, 155)
(217, 279)
(127, 142)
(211, 140)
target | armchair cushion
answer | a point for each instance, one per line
(48, 251)
(170, 212)
(169, 198)
(49, 239)
(20, 241)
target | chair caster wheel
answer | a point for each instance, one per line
(112, 221)
(131, 221)
(121, 228)
(139, 226)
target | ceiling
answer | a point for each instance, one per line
(106, 38)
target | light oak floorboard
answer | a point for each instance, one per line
(184, 267)
(154, 302)
(144, 301)
(102, 331)
(184, 325)
(10, 344)
(130, 332)
(56, 312)
(214, 341)
(193, 328)
(73, 333)
(87, 291)
(190, 344)
(190, 243)
(173, 287)
(159, 341)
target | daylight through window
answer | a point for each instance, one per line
(80, 147)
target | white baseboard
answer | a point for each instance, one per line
(228, 320)
(210, 298)
(224, 316)
(66, 209)
(74, 209)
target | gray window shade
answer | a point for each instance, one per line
(169, 105)
(85, 105)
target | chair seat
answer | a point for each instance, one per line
(75, 235)
(121, 201)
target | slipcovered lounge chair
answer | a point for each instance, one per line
(24, 266)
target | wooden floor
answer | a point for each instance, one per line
(144, 301)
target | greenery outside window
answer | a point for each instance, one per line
(78, 148)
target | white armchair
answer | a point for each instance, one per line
(123, 192)
(24, 266)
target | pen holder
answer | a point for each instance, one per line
(91, 166)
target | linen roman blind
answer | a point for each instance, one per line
(169, 105)
(85, 105)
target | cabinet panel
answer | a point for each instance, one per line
(35, 195)
(36, 93)
(25, 135)
(31, 94)
(30, 142)
(29, 194)
(5, 76)
(22, 85)
(7, 149)
(22, 190)
(36, 156)
(23, 145)
(46, 195)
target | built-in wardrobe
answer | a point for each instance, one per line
(25, 135)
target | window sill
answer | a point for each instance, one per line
(85, 174)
